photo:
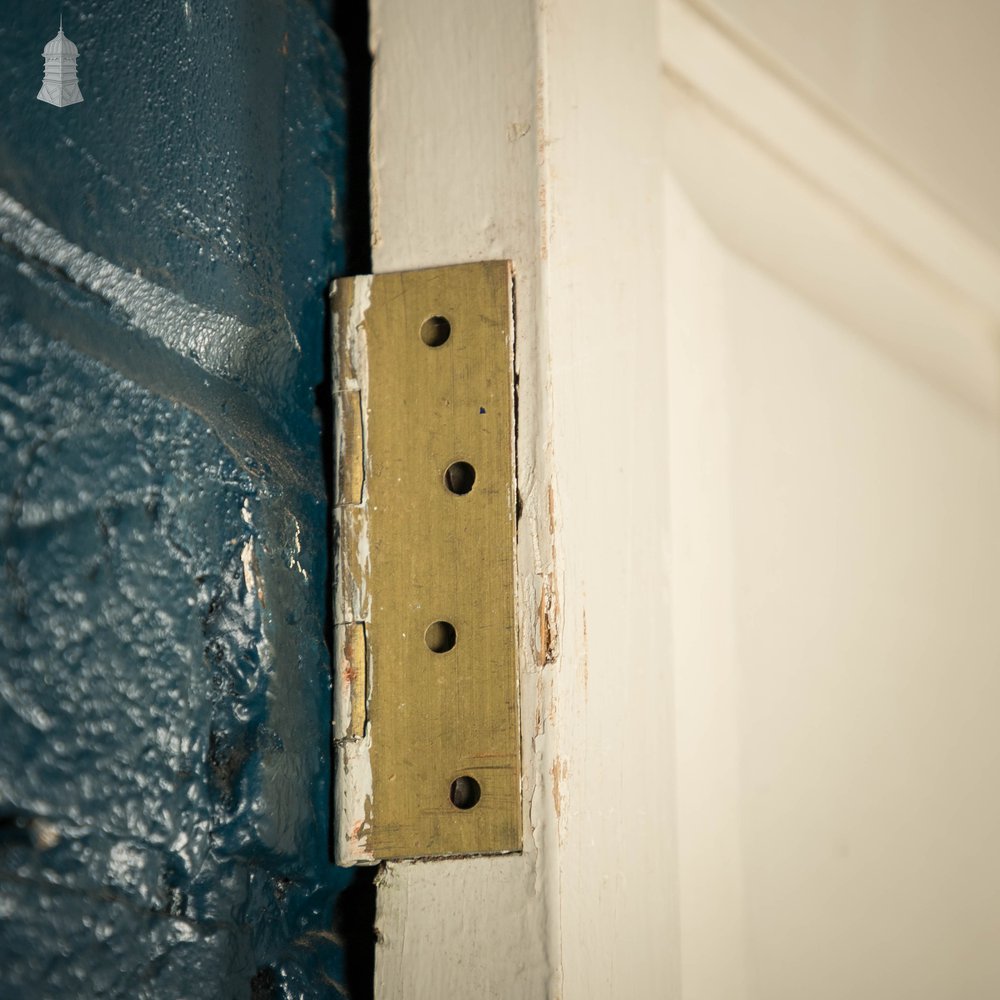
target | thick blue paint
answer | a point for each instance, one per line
(164, 685)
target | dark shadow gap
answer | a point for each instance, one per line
(354, 916)
(349, 20)
(354, 921)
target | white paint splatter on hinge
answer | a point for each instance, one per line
(352, 666)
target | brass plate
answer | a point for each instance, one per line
(438, 724)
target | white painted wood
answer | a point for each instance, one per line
(602, 273)
(715, 958)
(835, 565)
(757, 450)
(506, 130)
(454, 179)
(834, 488)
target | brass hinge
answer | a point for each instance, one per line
(426, 729)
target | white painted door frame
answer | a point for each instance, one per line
(576, 139)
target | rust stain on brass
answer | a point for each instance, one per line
(426, 564)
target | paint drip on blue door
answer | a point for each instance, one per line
(164, 683)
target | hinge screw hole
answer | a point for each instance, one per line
(465, 792)
(435, 331)
(440, 637)
(460, 477)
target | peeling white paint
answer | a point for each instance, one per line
(354, 794)
(354, 336)
(352, 756)
(247, 558)
(359, 313)
(343, 700)
(293, 558)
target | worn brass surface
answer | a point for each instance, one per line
(437, 556)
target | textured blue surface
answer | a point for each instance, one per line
(164, 686)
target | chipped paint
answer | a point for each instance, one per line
(293, 555)
(546, 628)
(352, 608)
(251, 571)
(352, 746)
(548, 601)
(353, 784)
(558, 772)
(247, 559)
(357, 343)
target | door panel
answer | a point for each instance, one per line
(837, 561)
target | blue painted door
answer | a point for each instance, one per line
(164, 682)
